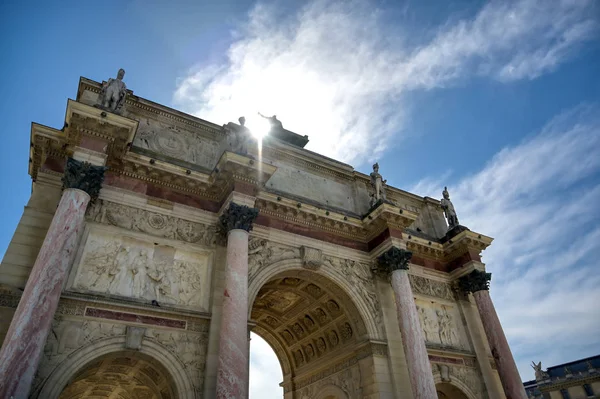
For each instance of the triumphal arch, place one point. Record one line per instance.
(155, 241)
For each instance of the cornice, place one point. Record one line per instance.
(45, 142)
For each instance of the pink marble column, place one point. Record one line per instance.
(477, 282)
(417, 359)
(26, 336)
(232, 375)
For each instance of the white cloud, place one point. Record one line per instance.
(540, 200)
(265, 371)
(337, 72)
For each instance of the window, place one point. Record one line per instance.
(565, 394)
(588, 390)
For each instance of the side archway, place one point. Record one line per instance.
(67, 370)
(331, 392)
(454, 389)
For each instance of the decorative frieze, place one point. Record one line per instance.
(83, 176)
(425, 286)
(475, 281)
(152, 223)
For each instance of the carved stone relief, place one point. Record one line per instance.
(262, 253)
(425, 286)
(348, 380)
(151, 223)
(170, 140)
(359, 276)
(137, 269)
(440, 324)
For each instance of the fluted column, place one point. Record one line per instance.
(26, 336)
(477, 282)
(232, 375)
(395, 263)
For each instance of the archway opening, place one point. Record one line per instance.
(449, 391)
(311, 324)
(265, 370)
(122, 375)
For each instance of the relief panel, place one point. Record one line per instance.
(137, 269)
(174, 142)
(442, 325)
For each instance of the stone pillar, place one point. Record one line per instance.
(232, 375)
(477, 282)
(395, 262)
(26, 337)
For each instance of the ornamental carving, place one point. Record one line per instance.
(393, 259)
(360, 277)
(237, 217)
(345, 375)
(425, 286)
(262, 253)
(439, 326)
(83, 176)
(152, 223)
(312, 258)
(475, 281)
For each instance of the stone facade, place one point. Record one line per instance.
(192, 243)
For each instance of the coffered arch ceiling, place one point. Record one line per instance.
(122, 375)
(307, 319)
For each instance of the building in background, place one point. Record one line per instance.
(154, 241)
(579, 379)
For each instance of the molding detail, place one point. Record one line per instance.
(393, 259)
(425, 286)
(237, 217)
(475, 281)
(83, 176)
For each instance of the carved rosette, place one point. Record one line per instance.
(237, 217)
(83, 176)
(475, 281)
(394, 259)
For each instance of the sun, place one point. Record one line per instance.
(259, 127)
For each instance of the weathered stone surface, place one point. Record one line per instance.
(233, 345)
(24, 342)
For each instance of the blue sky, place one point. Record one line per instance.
(497, 100)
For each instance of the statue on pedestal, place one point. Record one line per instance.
(112, 95)
(449, 211)
(238, 137)
(378, 185)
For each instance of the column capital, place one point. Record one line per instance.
(475, 281)
(393, 259)
(83, 176)
(237, 217)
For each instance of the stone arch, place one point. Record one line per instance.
(331, 392)
(68, 368)
(358, 302)
(454, 383)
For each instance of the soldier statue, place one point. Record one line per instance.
(378, 185)
(449, 211)
(112, 95)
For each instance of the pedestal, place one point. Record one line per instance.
(32, 321)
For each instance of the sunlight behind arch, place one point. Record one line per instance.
(265, 370)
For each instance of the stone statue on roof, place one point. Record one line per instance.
(540, 374)
(449, 211)
(378, 185)
(275, 123)
(112, 94)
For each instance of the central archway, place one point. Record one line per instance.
(312, 325)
